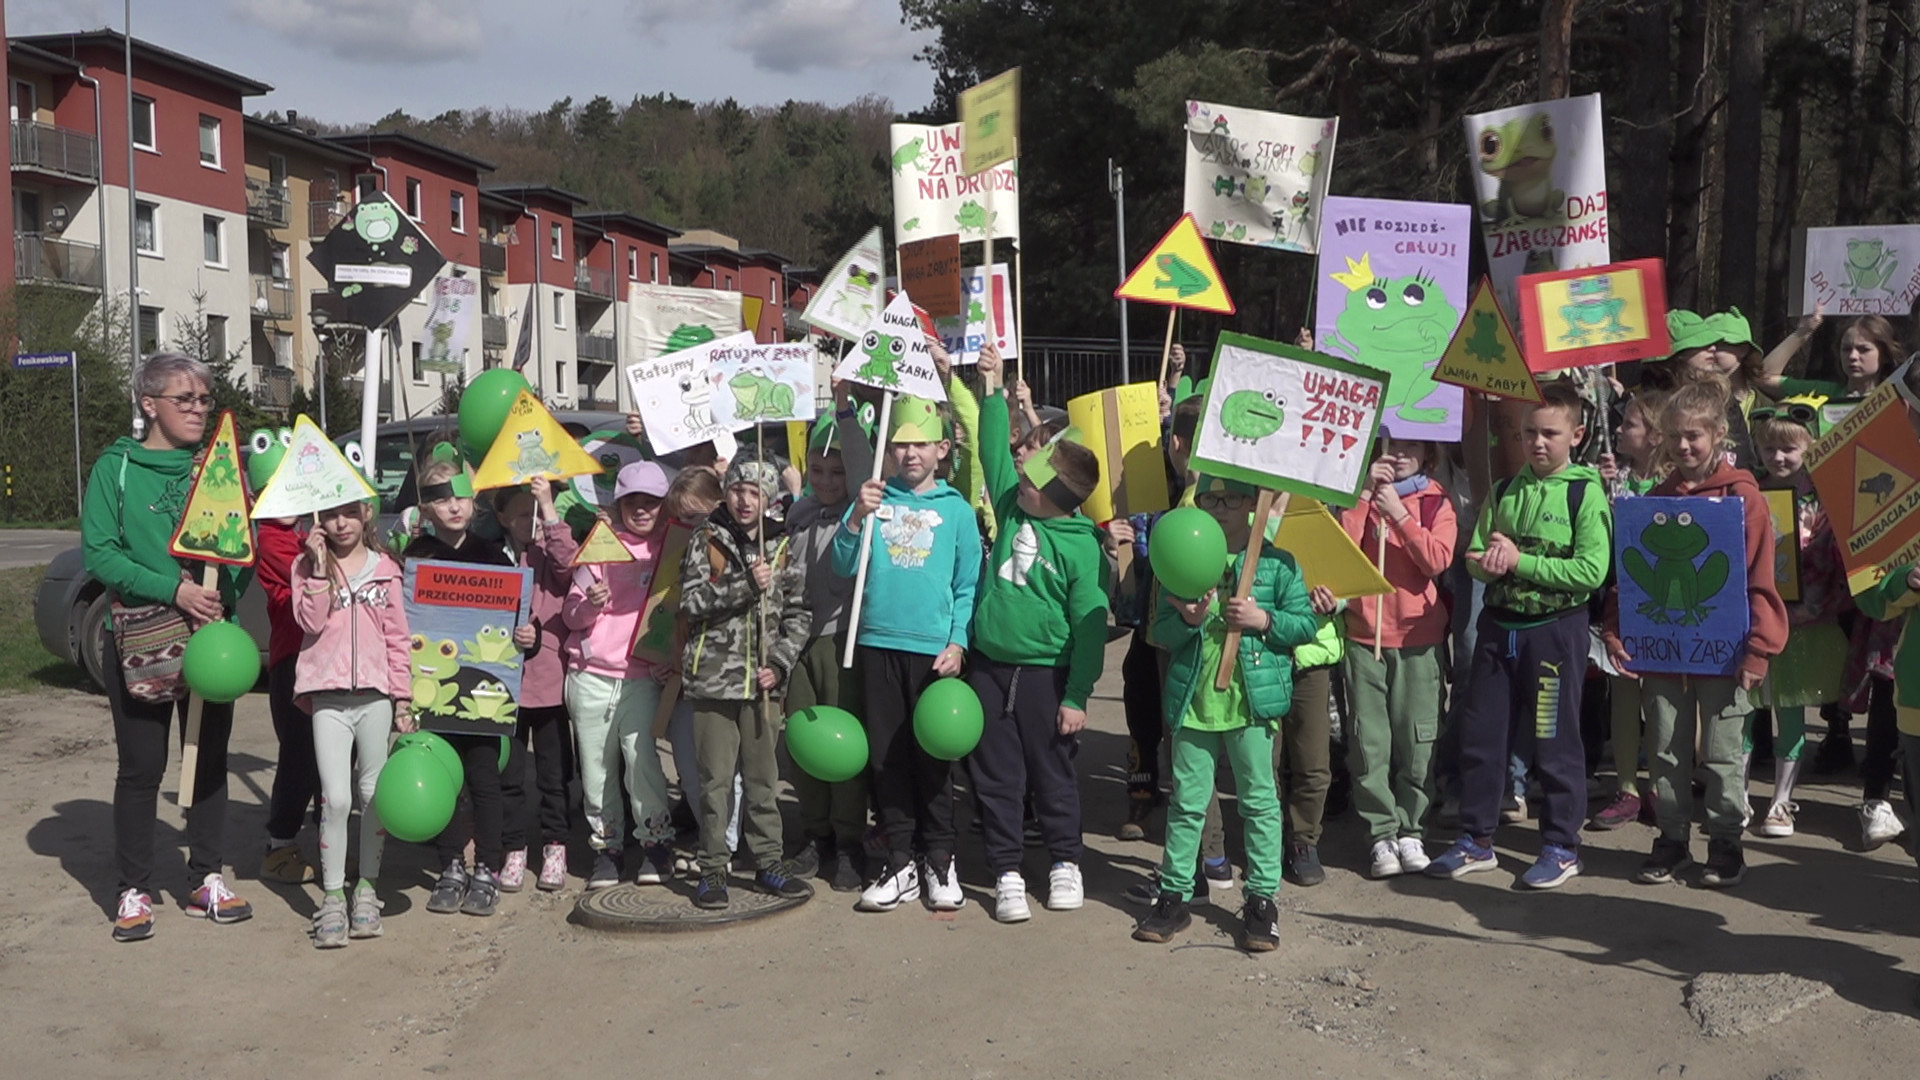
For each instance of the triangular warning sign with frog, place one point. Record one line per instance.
(1484, 355)
(601, 546)
(531, 443)
(313, 476)
(215, 527)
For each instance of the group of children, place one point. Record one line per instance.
(998, 579)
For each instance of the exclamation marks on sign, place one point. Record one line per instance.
(1326, 439)
(1346, 444)
(1306, 432)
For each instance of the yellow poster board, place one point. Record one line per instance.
(1122, 428)
(1179, 272)
(1786, 542)
(1326, 554)
(750, 307)
(1484, 355)
(214, 527)
(990, 122)
(797, 445)
(531, 443)
(601, 546)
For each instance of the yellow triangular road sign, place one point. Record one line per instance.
(531, 443)
(601, 546)
(1179, 272)
(1877, 485)
(1484, 355)
(215, 525)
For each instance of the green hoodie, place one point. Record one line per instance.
(1563, 562)
(133, 503)
(1043, 599)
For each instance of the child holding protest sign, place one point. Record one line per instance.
(1869, 351)
(354, 675)
(1694, 429)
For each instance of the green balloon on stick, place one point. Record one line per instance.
(414, 796)
(221, 662)
(442, 751)
(484, 406)
(827, 743)
(1188, 552)
(948, 719)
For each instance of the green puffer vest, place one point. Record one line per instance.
(1265, 664)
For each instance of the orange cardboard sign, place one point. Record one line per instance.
(1867, 470)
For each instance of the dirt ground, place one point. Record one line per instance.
(1448, 979)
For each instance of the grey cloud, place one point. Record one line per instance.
(372, 31)
(791, 36)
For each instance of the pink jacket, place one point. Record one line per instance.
(602, 641)
(1413, 614)
(543, 680)
(353, 642)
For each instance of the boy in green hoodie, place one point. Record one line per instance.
(1039, 644)
(1542, 546)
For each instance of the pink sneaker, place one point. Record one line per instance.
(513, 875)
(1623, 809)
(214, 902)
(553, 867)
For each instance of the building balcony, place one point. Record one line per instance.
(595, 348)
(45, 260)
(324, 214)
(268, 204)
(493, 331)
(272, 387)
(271, 299)
(57, 152)
(493, 256)
(593, 282)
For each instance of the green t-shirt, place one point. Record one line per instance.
(1210, 709)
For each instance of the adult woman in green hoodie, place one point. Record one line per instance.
(133, 504)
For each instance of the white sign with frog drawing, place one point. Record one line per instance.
(1856, 270)
(674, 395)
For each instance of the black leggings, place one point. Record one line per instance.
(1146, 727)
(1883, 740)
(487, 790)
(140, 733)
(296, 776)
(550, 732)
(912, 789)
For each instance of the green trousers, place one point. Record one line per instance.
(1674, 706)
(730, 735)
(1396, 716)
(1623, 697)
(827, 810)
(1196, 760)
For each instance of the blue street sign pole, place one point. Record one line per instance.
(52, 360)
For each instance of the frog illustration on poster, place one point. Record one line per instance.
(1540, 176)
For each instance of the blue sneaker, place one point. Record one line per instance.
(1554, 866)
(1463, 858)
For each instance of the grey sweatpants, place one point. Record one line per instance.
(345, 721)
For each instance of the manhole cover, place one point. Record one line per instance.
(669, 908)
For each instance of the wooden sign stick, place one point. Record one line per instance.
(1380, 602)
(196, 705)
(766, 696)
(867, 528)
(1166, 350)
(1116, 464)
(1263, 511)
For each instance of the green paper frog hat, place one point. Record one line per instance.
(915, 420)
(266, 448)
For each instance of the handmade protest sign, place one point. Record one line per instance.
(930, 273)
(668, 318)
(933, 196)
(531, 443)
(1326, 553)
(1599, 315)
(455, 307)
(376, 260)
(1786, 542)
(674, 395)
(988, 317)
(1867, 470)
(1856, 270)
(466, 669)
(1484, 355)
(653, 639)
(313, 476)
(1683, 583)
(761, 384)
(892, 355)
(1541, 177)
(214, 527)
(1288, 419)
(990, 122)
(851, 294)
(1257, 177)
(1121, 426)
(1393, 275)
(600, 547)
(1179, 272)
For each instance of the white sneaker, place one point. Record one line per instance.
(1010, 898)
(1065, 890)
(894, 886)
(1413, 854)
(1878, 823)
(943, 889)
(1779, 820)
(1386, 861)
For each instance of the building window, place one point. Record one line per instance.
(653, 266)
(213, 239)
(149, 329)
(633, 264)
(729, 284)
(143, 123)
(457, 205)
(557, 239)
(419, 370)
(559, 310)
(282, 349)
(277, 170)
(413, 199)
(216, 337)
(773, 294)
(210, 142)
(146, 227)
(277, 258)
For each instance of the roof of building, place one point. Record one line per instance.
(765, 255)
(306, 140)
(19, 51)
(367, 141)
(607, 220)
(522, 193)
(703, 253)
(68, 46)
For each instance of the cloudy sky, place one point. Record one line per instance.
(356, 60)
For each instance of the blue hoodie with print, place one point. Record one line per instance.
(923, 573)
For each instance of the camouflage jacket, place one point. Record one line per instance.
(725, 625)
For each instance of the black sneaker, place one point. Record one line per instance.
(1261, 920)
(1303, 865)
(1835, 754)
(1170, 915)
(483, 893)
(812, 857)
(1726, 865)
(846, 874)
(1669, 858)
(450, 891)
(711, 893)
(779, 880)
(606, 870)
(1144, 892)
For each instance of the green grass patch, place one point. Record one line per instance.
(24, 663)
(71, 524)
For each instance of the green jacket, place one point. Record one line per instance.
(133, 503)
(967, 479)
(1043, 598)
(1564, 530)
(1329, 644)
(1265, 661)
(1887, 601)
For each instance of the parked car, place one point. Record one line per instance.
(70, 608)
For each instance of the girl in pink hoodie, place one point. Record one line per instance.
(353, 675)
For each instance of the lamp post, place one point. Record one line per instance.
(319, 319)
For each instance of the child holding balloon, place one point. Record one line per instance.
(354, 675)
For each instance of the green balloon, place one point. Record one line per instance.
(484, 405)
(414, 796)
(947, 720)
(827, 743)
(1188, 552)
(221, 662)
(506, 751)
(442, 751)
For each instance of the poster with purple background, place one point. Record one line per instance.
(1392, 287)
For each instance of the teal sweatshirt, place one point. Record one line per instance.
(133, 503)
(923, 573)
(1563, 561)
(1044, 602)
